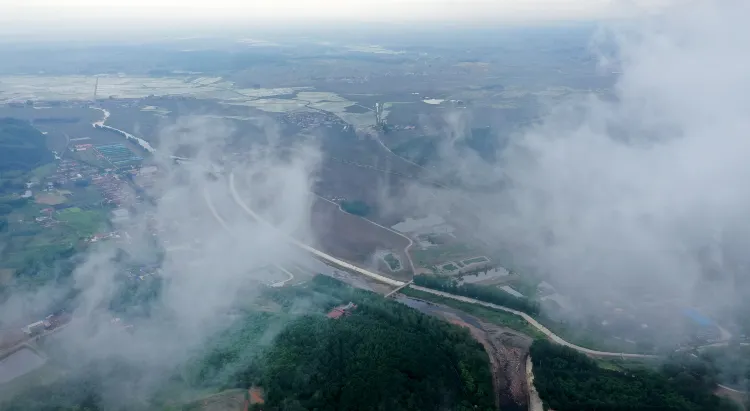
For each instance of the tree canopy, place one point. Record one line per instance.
(384, 356)
(569, 381)
(22, 147)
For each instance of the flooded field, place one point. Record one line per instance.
(19, 363)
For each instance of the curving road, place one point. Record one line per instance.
(224, 225)
(529, 319)
(345, 265)
(332, 260)
(406, 249)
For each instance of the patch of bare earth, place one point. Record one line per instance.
(354, 239)
(738, 397)
(49, 199)
(507, 351)
(233, 400)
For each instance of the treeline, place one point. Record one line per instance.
(569, 381)
(385, 356)
(22, 147)
(486, 294)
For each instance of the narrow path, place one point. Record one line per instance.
(724, 387)
(535, 403)
(738, 397)
(406, 249)
(377, 137)
(285, 271)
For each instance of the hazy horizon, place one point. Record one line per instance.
(42, 19)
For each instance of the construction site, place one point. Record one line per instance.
(507, 349)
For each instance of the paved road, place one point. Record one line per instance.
(330, 259)
(224, 225)
(345, 265)
(552, 336)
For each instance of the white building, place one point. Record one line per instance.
(34, 328)
(120, 215)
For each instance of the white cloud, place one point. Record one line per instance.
(646, 189)
(254, 11)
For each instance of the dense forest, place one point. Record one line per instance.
(569, 381)
(487, 294)
(384, 356)
(22, 147)
(732, 363)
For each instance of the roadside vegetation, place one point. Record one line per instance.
(486, 294)
(496, 317)
(569, 381)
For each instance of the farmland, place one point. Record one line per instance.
(69, 88)
(354, 239)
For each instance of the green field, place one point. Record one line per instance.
(44, 171)
(85, 223)
(35, 252)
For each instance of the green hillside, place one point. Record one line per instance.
(22, 147)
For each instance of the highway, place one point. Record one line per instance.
(400, 284)
(383, 279)
(225, 226)
(529, 319)
(319, 254)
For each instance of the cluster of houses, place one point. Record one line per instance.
(50, 322)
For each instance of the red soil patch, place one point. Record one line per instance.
(256, 395)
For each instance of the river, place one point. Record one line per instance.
(141, 142)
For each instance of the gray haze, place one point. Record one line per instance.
(212, 270)
(644, 192)
(646, 189)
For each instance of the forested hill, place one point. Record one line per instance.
(569, 381)
(383, 356)
(22, 147)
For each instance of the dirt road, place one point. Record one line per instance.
(535, 403)
(507, 351)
